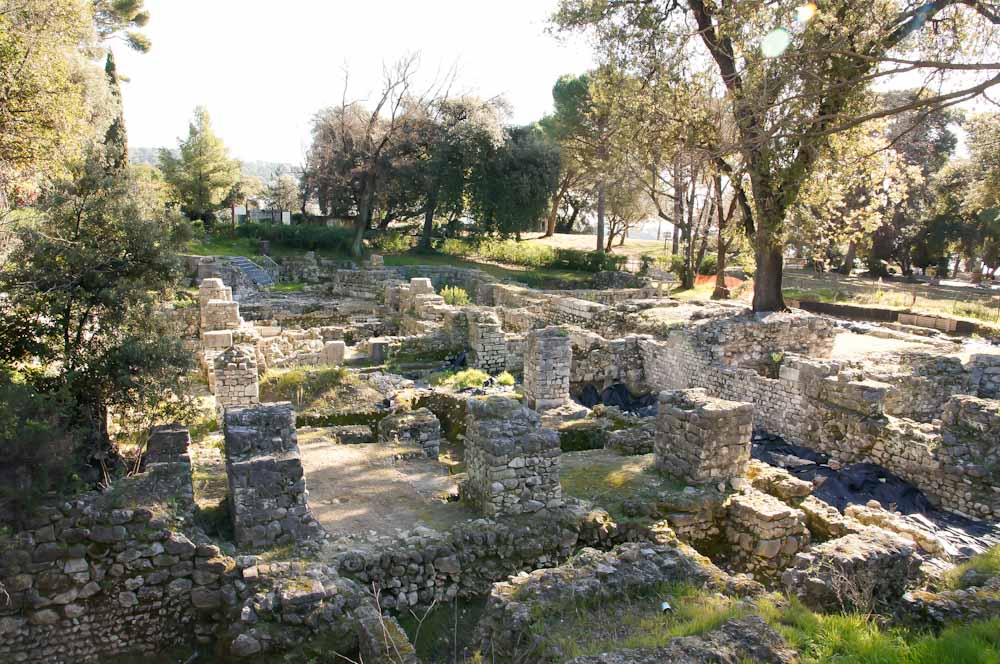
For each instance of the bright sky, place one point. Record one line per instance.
(263, 68)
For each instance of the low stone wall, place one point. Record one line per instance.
(419, 429)
(513, 464)
(864, 571)
(110, 574)
(764, 533)
(510, 631)
(430, 567)
(984, 375)
(236, 383)
(267, 486)
(834, 408)
(701, 439)
(601, 362)
(487, 343)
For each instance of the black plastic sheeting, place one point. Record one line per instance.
(856, 484)
(618, 395)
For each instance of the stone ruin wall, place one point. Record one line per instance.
(90, 579)
(831, 407)
(267, 486)
(601, 362)
(236, 383)
(512, 462)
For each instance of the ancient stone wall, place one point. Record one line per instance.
(764, 532)
(701, 439)
(418, 428)
(922, 382)
(465, 561)
(487, 343)
(267, 487)
(984, 375)
(548, 357)
(513, 464)
(834, 408)
(236, 382)
(601, 362)
(109, 574)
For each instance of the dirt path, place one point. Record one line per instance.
(364, 491)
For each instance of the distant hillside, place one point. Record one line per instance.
(265, 170)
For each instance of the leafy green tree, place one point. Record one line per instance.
(81, 295)
(202, 175)
(511, 189)
(793, 76)
(283, 193)
(566, 127)
(42, 103)
(448, 142)
(116, 137)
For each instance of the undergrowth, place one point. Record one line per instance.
(303, 386)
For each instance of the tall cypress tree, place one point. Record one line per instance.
(116, 137)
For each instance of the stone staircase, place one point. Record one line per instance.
(258, 275)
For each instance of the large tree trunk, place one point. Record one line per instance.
(848, 264)
(600, 216)
(428, 230)
(361, 225)
(550, 224)
(767, 280)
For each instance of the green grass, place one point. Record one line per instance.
(460, 380)
(506, 379)
(860, 639)
(455, 296)
(288, 287)
(535, 277)
(303, 386)
(985, 564)
(220, 245)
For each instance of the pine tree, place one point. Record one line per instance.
(203, 173)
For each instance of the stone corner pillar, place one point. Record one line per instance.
(512, 462)
(548, 356)
(701, 439)
(236, 381)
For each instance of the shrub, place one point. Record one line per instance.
(455, 296)
(302, 385)
(393, 242)
(303, 236)
(506, 379)
(533, 254)
(463, 379)
(709, 264)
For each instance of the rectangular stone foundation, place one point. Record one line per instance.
(267, 487)
(701, 439)
(513, 464)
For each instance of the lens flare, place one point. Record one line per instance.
(775, 43)
(806, 12)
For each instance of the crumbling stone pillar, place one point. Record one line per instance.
(513, 463)
(487, 342)
(701, 439)
(267, 487)
(236, 382)
(548, 355)
(168, 443)
(216, 307)
(333, 353)
(764, 532)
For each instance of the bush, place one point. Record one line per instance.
(533, 254)
(455, 296)
(709, 264)
(306, 237)
(461, 380)
(506, 379)
(393, 243)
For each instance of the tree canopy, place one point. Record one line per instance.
(790, 77)
(202, 175)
